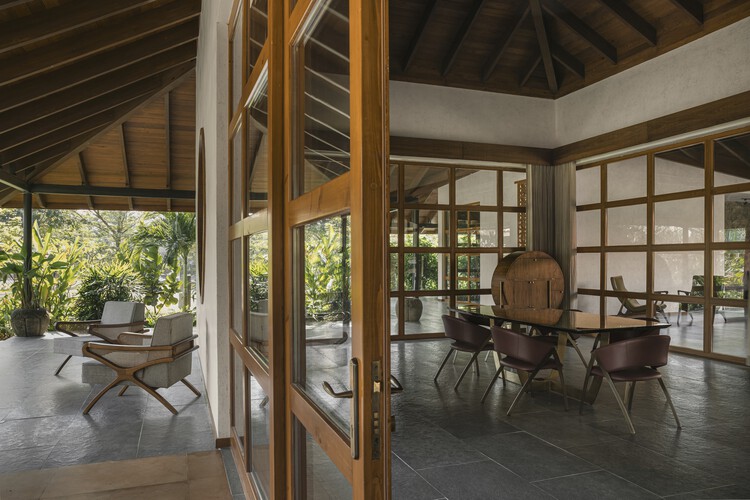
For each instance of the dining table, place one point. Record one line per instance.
(567, 323)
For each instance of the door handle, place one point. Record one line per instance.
(338, 395)
(352, 394)
(396, 385)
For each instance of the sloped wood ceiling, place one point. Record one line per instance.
(97, 103)
(542, 48)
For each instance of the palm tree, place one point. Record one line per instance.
(175, 234)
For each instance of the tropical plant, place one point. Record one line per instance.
(113, 281)
(159, 282)
(325, 265)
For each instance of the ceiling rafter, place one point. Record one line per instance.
(530, 70)
(40, 200)
(462, 35)
(544, 46)
(129, 193)
(61, 19)
(419, 35)
(587, 34)
(632, 19)
(691, 7)
(84, 177)
(13, 181)
(109, 35)
(568, 61)
(6, 4)
(97, 66)
(168, 145)
(739, 151)
(125, 162)
(494, 59)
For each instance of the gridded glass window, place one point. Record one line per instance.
(626, 225)
(589, 228)
(476, 187)
(679, 221)
(588, 186)
(237, 172)
(626, 179)
(426, 228)
(732, 217)
(260, 432)
(677, 272)
(588, 266)
(731, 160)
(426, 271)
(238, 399)
(424, 314)
(476, 229)
(236, 279)
(238, 79)
(257, 148)
(427, 185)
(679, 170)
(514, 189)
(257, 293)
(257, 30)
(631, 266)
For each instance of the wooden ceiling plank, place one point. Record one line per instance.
(97, 66)
(81, 112)
(168, 144)
(110, 35)
(544, 46)
(530, 70)
(463, 34)
(492, 62)
(84, 177)
(632, 19)
(13, 181)
(571, 63)
(587, 34)
(61, 19)
(6, 4)
(693, 8)
(421, 30)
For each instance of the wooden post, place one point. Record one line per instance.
(28, 223)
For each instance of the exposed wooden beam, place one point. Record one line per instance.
(107, 36)
(541, 36)
(501, 47)
(571, 63)
(462, 35)
(13, 181)
(632, 19)
(6, 4)
(419, 35)
(168, 145)
(40, 200)
(691, 7)
(16, 135)
(84, 177)
(583, 30)
(125, 164)
(58, 80)
(739, 151)
(176, 194)
(58, 20)
(530, 70)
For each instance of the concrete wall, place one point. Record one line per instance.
(211, 115)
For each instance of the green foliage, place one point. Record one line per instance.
(421, 271)
(114, 281)
(257, 267)
(325, 265)
(159, 282)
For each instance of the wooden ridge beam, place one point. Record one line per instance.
(463, 34)
(176, 194)
(632, 19)
(501, 47)
(583, 30)
(419, 35)
(61, 19)
(74, 74)
(107, 36)
(84, 177)
(82, 111)
(571, 63)
(13, 181)
(544, 46)
(693, 8)
(125, 165)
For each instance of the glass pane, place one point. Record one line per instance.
(626, 179)
(394, 185)
(474, 299)
(730, 331)
(260, 430)
(257, 149)
(588, 186)
(732, 217)
(731, 160)
(393, 227)
(589, 228)
(679, 170)
(730, 267)
(257, 293)
(588, 303)
(587, 270)
(514, 230)
(424, 314)
(238, 389)
(317, 478)
(238, 79)
(426, 185)
(236, 279)
(626, 225)
(321, 87)
(686, 321)
(237, 173)
(679, 221)
(474, 270)
(514, 189)
(258, 30)
(631, 266)
(426, 271)
(322, 322)
(676, 272)
(394, 315)
(426, 228)
(476, 187)
(476, 229)
(393, 272)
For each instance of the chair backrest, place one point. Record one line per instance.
(465, 332)
(651, 350)
(169, 330)
(698, 288)
(473, 318)
(520, 346)
(117, 313)
(618, 285)
(620, 335)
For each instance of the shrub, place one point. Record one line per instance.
(115, 281)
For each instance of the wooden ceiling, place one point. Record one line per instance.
(97, 103)
(542, 48)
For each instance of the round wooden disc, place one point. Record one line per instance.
(528, 279)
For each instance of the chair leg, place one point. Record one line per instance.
(155, 394)
(450, 351)
(191, 387)
(564, 391)
(487, 356)
(619, 402)
(586, 379)
(122, 391)
(502, 373)
(629, 393)
(63, 364)
(476, 364)
(669, 400)
(578, 351)
(524, 387)
(466, 369)
(492, 382)
(455, 356)
(99, 396)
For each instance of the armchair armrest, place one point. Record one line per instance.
(127, 356)
(133, 338)
(109, 332)
(75, 328)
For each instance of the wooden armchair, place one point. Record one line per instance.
(117, 317)
(150, 362)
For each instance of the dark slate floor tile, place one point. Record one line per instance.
(32, 432)
(87, 451)
(23, 459)
(480, 481)
(421, 444)
(407, 484)
(598, 485)
(723, 492)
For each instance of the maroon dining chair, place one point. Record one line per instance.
(524, 354)
(467, 337)
(550, 336)
(631, 361)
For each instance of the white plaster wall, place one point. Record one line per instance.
(211, 115)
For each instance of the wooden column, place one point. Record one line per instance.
(28, 223)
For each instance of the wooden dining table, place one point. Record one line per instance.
(567, 323)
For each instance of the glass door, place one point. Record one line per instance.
(335, 249)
